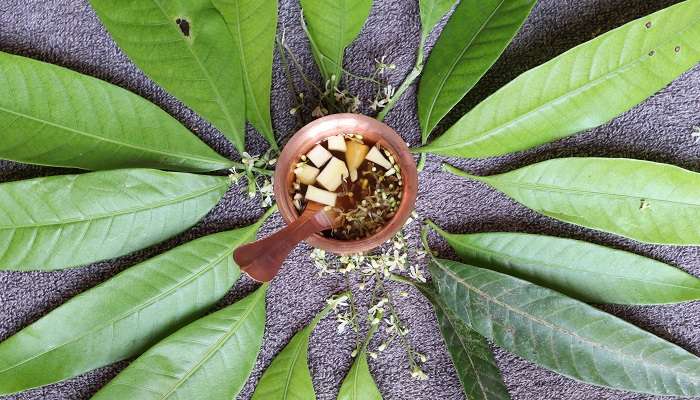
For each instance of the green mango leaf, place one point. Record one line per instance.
(431, 11)
(209, 359)
(475, 36)
(563, 334)
(641, 200)
(469, 351)
(125, 315)
(359, 384)
(253, 24)
(331, 26)
(186, 47)
(53, 116)
(70, 220)
(582, 88)
(288, 376)
(582, 270)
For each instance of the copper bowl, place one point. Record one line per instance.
(373, 131)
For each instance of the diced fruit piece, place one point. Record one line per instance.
(376, 157)
(332, 175)
(354, 155)
(337, 143)
(319, 155)
(321, 196)
(306, 174)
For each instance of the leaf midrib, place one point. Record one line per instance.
(133, 210)
(449, 73)
(494, 131)
(125, 314)
(559, 189)
(290, 370)
(111, 141)
(216, 347)
(219, 99)
(557, 328)
(244, 69)
(477, 375)
(555, 266)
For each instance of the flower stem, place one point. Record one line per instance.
(261, 171)
(412, 76)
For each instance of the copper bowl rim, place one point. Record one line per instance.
(335, 124)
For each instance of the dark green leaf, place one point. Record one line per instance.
(209, 359)
(470, 353)
(185, 47)
(642, 200)
(563, 334)
(253, 24)
(582, 88)
(431, 11)
(331, 26)
(473, 39)
(123, 316)
(66, 221)
(288, 376)
(578, 269)
(53, 116)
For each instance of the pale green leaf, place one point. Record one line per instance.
(475, 36)
(431, 11)
(288, 376)
(582, 88)
(253, 24)
(52, 116)
(359, 383)
(331, 26)
(209, 359)
(469, 351)
(565, 335)
(582, 270)
(185, 47)
(641, 200)
(123, 316)
(69, 220)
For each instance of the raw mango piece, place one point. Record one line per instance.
(375, 155)
(306, 174)
(332, 176)
(320, 196)
(319, 155)
(337, 143)
(354, 155)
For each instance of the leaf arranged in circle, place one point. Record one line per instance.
(209, 359)
(69, 220)
(641, 200)
(585, 87)
(288, 376)
(582, 270)
(186, 47)
(53, 116)
(125, 315)
(564, 335)
(475, 36)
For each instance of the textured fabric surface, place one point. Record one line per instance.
(67, 32)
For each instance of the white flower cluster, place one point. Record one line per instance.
(395, 257)
(255, 169)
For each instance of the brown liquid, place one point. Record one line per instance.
(366, 205)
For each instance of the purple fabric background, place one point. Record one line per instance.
(67, 32)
